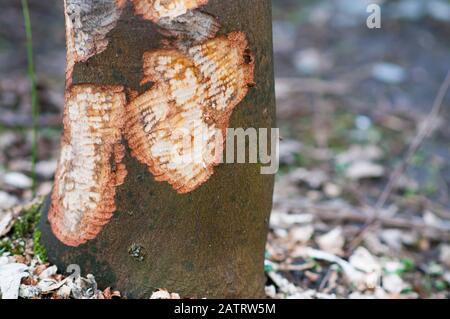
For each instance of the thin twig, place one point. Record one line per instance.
(328, 212)
(326, 279)
(424, 132)
(290, 267)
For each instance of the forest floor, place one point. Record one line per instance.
(350, 102)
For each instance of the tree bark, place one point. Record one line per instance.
(207, 243)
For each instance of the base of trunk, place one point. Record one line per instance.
(205, 244)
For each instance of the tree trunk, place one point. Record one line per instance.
(209, 242)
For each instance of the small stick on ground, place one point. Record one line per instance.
(424, 132)
(349, 214)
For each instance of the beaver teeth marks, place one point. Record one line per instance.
(163, 122)
(177, 127)
(90, 165)
(154, 10)
(227, 72)
(88, 23)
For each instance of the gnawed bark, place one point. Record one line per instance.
(177, 128)
(87, 24)
(90, 167)
(155, 10)
(193, 27)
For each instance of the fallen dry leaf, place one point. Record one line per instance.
(332, 242)
(10, 278)
(164, 294)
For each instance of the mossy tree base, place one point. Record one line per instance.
(209, 243)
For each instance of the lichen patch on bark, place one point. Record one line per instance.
(87, 24)
(155, 10)
(89, 167)
(177, 127)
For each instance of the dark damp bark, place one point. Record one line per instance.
(209, 243)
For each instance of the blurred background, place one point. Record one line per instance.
(351, 100)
